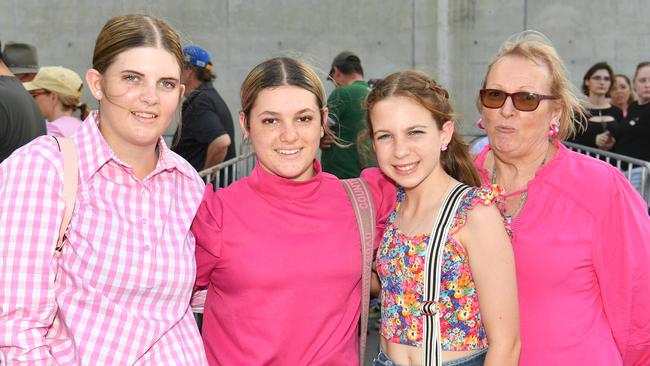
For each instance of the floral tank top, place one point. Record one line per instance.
(400, 265)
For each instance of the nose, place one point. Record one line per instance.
(149, 93)
(508, 107)
(289, 133)
(401, 148)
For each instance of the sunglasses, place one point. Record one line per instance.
(523, 101)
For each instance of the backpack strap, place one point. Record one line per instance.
(70, 183)
(364, 211)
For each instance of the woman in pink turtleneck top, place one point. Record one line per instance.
(580, 233)
(279, 250)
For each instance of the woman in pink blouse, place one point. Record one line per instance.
(580, 232)
(279, 250)
(119, 292)
(445, 261)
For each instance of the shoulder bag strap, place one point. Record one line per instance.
(70, 182)
(364, 210)
(431, 319)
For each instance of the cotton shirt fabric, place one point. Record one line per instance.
(63, 126)
(282, 262)
(122, 290)
(582, 253)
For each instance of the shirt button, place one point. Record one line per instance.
(144, 221)
(143, 192)
(147, 247)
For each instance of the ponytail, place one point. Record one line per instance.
(458, 163)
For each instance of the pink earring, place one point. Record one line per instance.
(479, 123)
(444, 147)
(554, 130)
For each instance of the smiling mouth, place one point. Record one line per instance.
(145, 115)
(288, 152)
(406, 168)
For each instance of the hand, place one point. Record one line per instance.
(605, 141)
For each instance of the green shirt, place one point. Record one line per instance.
(346, 110)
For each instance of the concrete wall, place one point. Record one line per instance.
(454, 40)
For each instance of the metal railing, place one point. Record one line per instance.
(635, 170)
(221, 175)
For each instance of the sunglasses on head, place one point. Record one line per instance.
(523, 101)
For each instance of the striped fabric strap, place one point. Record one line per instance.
(431, 324)
(70, 181)
(364, 210)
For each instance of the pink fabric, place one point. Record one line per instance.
(282, 262)
(582, 251)
(122, 291)
(63, 127)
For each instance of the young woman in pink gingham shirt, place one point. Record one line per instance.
(119, 293)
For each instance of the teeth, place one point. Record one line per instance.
(288, 152)
(144, 114)
(406, 167)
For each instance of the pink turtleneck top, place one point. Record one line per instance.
(282, 262)
(582, 252)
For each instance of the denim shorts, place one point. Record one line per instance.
(476, 359)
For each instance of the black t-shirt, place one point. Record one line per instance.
(588, 136)
(633, 134)
(205, 117)
(21, 120)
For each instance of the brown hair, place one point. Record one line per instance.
(639, 67)
(592, 70)
(536, 47)
(631, 98)
(281, 71)
(422, 89)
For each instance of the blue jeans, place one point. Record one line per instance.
(476, 359)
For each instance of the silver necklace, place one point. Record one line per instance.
(522, 198)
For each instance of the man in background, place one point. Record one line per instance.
(346, 117)
(20, 119)
(22, 60)
(206, 130)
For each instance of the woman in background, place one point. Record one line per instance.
(622, 95)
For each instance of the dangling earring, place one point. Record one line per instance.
(554, 130)
(444, 147)
(322, 131)
(479, 123)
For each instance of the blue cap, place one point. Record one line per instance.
(197, 56)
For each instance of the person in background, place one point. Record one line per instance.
(622, 95)
(599, 128)
(207, 133)
(580, 232)
(22, 60)
(57, 91)
(633, 136)
(285, 237)
(410, 119)
(346, 116)
(118, 293)
(21, 120)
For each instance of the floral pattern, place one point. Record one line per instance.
(400, 265)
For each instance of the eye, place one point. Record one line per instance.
(131, 78)
(168, 84)
(269, 121)
(305, 119)
(529, 97)
(494, 93)
(382, 136)
(415, 132)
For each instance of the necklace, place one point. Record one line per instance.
(523, 192)
(399, 221)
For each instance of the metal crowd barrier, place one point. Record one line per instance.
(221, 175)
(635, 170)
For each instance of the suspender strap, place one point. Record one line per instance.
(70, 181)
(364, 210)
(439, 233)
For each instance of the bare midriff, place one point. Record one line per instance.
(412, 356)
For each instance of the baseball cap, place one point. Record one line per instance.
(197, 56)
(343, 58)
(20, 58)
(57, 79)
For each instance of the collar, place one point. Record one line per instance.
(272, 185)
(94, 152)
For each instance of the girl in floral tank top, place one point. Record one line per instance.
(447, 279)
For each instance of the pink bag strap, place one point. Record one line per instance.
(364, 210)
(70, 182)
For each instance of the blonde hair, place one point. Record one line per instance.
(282, 71)
(423, 90)
(535, 47)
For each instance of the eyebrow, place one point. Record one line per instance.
(141, 74)
(409, 128)
(275, 114)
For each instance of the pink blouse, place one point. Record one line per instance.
(582, 252)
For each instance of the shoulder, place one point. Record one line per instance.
(186, 169)
(382, 188)
(38, 162)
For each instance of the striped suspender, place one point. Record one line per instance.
(435, 247)
(364, 211)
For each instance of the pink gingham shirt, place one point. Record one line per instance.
(121, 295)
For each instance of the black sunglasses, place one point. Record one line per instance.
(523, 101)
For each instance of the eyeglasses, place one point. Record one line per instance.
(35, 94)
(600, 78)
(523, 101)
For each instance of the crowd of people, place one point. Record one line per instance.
(526, 253)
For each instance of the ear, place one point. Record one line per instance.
(557, 111)
(325, 112)
(242, 124)
(446, 132)
(180, 97)
(94, 81)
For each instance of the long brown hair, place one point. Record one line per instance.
(422, 89)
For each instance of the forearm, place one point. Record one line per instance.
(503, 353)
(217, 151)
